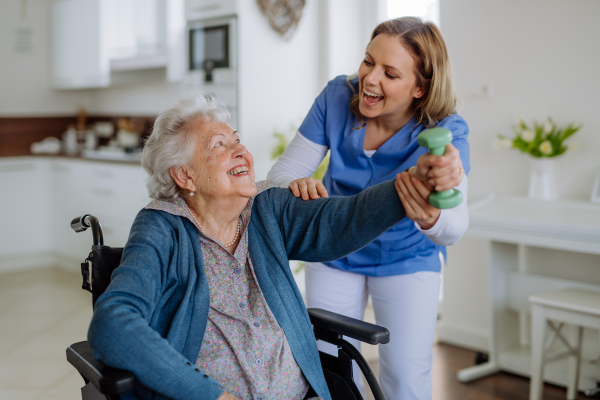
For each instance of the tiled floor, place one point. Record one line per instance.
(41, 313)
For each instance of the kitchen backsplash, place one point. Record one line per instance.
(17, 134)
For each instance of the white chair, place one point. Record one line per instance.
(577, 307)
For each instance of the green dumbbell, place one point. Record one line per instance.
(436, 139)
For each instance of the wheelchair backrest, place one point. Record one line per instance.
(104, 261)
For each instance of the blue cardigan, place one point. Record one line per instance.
(152, 317)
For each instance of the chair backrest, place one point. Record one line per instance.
(104, 261)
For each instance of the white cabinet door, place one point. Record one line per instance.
(80, 56)
(176, 40)
(24, 208)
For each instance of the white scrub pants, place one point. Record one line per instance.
(404, 304)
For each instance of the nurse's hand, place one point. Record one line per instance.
(440, 172)
(414, 196)
(308, 188)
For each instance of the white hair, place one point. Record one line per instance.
(170, 145)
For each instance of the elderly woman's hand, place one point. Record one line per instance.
(227, 396)
(308, 188)
(414, 196)
(439, 172)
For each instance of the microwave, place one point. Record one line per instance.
(212, 50)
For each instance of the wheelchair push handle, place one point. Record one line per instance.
(80, 224)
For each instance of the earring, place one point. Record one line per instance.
(191, 194)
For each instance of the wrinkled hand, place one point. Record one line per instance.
(308, 188)
(414, 196)
(227, 396)
(439, 172)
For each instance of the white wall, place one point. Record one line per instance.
(279, 79)
(25, 76)
(540, 58)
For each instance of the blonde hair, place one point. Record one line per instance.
(432, 69)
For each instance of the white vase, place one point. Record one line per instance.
(542, 184)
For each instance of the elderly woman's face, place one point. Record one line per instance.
(224, 167)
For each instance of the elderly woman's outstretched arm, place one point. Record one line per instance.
(329, 228)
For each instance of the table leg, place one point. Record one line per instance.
(538, 341)
(477, 371)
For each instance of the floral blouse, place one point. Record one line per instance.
(244, 347)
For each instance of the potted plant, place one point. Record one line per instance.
(543, 141)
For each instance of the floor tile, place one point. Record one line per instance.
(73, 380)
(33, 371)
(61, 393)
(20, 393)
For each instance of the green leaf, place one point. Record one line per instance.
(280, 146)
(568, 133)
(300, 267)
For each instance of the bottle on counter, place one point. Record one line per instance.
(69, 141)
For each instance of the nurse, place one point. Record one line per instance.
(370, 123)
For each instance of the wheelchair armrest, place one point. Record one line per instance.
(327, 322)
(109, 381)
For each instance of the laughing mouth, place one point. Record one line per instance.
(238, 171)
(374, 96)
(371, 98)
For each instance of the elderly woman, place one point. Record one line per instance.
(203, 304)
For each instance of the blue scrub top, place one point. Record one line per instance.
(330, 122)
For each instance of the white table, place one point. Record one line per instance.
(514, 225)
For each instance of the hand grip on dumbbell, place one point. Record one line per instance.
(436, 139)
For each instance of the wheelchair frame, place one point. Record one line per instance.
(103, 382)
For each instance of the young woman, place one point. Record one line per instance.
(370, 123)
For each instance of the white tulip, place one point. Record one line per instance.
(528, 135)
(546, 147)
(548, 127)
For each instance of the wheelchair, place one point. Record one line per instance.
(106, 383)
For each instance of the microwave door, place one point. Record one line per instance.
(209, 49)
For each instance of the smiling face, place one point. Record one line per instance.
(387, 82)
(221, 165)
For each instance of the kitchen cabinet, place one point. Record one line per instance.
(80, 57)
(24, 213)
(93, 39)
(47, 193)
